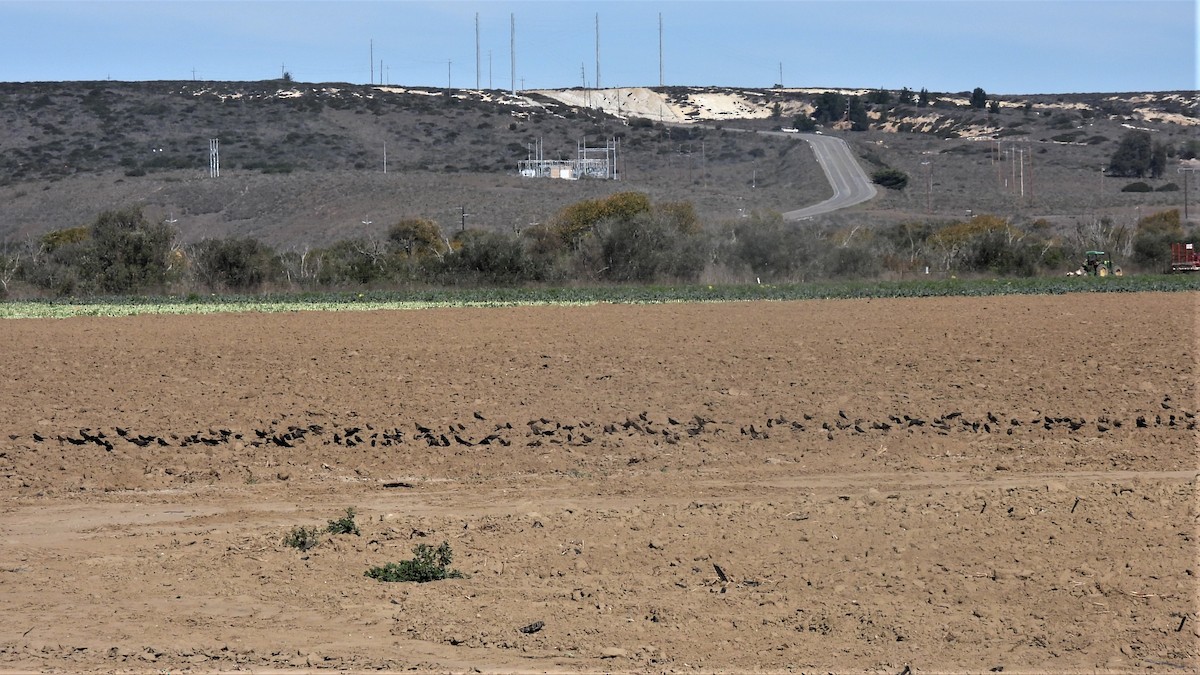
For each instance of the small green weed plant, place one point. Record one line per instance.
(345, 524)
(428, 564)
(305, 538)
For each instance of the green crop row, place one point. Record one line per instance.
(568, 296)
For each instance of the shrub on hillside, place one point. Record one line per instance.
(892, 179)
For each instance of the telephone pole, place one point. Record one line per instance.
(1186, 172)
(660, 51)
(476, 51)
(597, 50)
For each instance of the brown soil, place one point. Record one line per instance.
(942, 484)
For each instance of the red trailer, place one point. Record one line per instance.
(1184, 258)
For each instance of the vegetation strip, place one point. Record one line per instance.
(633, 295)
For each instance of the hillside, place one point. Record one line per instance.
(303, 164)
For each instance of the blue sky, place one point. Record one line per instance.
(1004, 46)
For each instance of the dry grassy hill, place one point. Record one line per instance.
(303, 164)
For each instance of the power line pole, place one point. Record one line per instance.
(372, 59)
(1031, 176)
(1186, 172)
(1021, 161)
(660, 50)
(512, 48)
(928, 185)
(597, 50)
(477, 51)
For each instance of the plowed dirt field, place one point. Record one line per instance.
(937, 485)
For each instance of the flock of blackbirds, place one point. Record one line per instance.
(543, 431)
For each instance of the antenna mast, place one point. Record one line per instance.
(477, 51)
(512, 48)
(597, 50)
(660, 51)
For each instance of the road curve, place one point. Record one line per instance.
(848, 180)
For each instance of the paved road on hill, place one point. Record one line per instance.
(850, 183)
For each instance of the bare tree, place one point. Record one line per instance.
(12, 254)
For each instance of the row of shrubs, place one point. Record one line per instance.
(623, 238)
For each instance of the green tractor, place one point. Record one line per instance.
(1098, 264)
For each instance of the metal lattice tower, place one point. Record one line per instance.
(214, 158)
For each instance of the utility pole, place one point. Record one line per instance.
(597, 50)
(1021, 160)
(781, 74)
(463, 211)
(512, 48)
(1031, 176)
(385, 156)
(476, 51)
(372, 60)
(1186, 171)
(448, 62)
(660, 51)
(928, 185)
(1012, 165)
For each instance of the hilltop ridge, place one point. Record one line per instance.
(304, 163)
